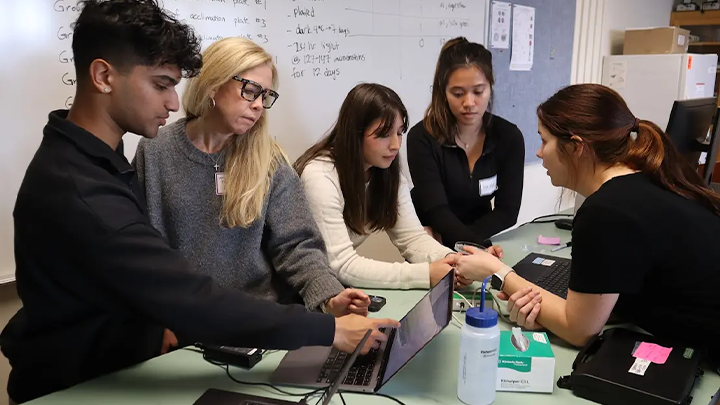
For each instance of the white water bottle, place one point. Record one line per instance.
(479, 346)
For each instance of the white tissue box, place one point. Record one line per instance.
(532, 370)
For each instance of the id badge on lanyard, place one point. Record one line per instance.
(219, 183)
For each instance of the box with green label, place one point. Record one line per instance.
(528, 366)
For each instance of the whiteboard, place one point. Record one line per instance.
(322, 49)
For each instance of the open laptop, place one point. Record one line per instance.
(314, 366)
(551, 273)
(220, 397)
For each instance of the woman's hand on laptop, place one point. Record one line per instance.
(479, 264)
(349, 301)
(350, 329)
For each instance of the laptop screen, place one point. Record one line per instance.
(420, 325)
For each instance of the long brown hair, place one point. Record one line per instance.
(610, 132)
(457, 53)
(364, 104)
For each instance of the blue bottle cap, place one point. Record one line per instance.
(481, 318)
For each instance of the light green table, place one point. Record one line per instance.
(180, 377)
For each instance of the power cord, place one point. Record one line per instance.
(458, 320)
(495, 299)
(545, 219)
(497, 303)
(377, 394)
(470, 305)
(306, 395)
(261, 384)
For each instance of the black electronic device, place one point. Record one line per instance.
(235, 356)
(609, 370)
(564, 223)
(711, 148)
(376, 302)
(551, 273)
(689, 125)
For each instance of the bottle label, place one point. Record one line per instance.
(489, 353)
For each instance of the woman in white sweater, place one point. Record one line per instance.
(353, 182)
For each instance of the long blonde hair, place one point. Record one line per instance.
(253, 157)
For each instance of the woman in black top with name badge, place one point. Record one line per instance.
(461, 156)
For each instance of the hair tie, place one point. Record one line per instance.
(635, 129)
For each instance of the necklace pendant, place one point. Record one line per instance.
(217, 166)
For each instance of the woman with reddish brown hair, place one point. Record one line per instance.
(645, 239)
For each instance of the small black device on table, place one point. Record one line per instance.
(564, 223)
(235, 356)
(376, 302)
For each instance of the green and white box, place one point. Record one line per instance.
(532, 370)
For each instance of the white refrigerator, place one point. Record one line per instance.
(651, 83)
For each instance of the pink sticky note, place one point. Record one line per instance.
(543, 240)
(652, 352)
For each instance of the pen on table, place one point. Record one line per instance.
(563, 246)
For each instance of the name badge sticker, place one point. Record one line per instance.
(488, 186)
(219, 183)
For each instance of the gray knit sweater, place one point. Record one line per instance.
(281, 256)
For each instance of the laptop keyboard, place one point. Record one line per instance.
(360, 372)
(557, 280)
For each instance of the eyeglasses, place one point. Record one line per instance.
(252, 90)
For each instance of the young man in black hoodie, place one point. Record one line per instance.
(97, 282)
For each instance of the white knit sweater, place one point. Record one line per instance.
(323, 191)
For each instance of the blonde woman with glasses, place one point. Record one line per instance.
(222, 191)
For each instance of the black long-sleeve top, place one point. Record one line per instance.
(98, 283)
(457, 203)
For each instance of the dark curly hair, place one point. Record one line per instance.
(129, 33)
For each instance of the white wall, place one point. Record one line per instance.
(540, 197)
(622, 14)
